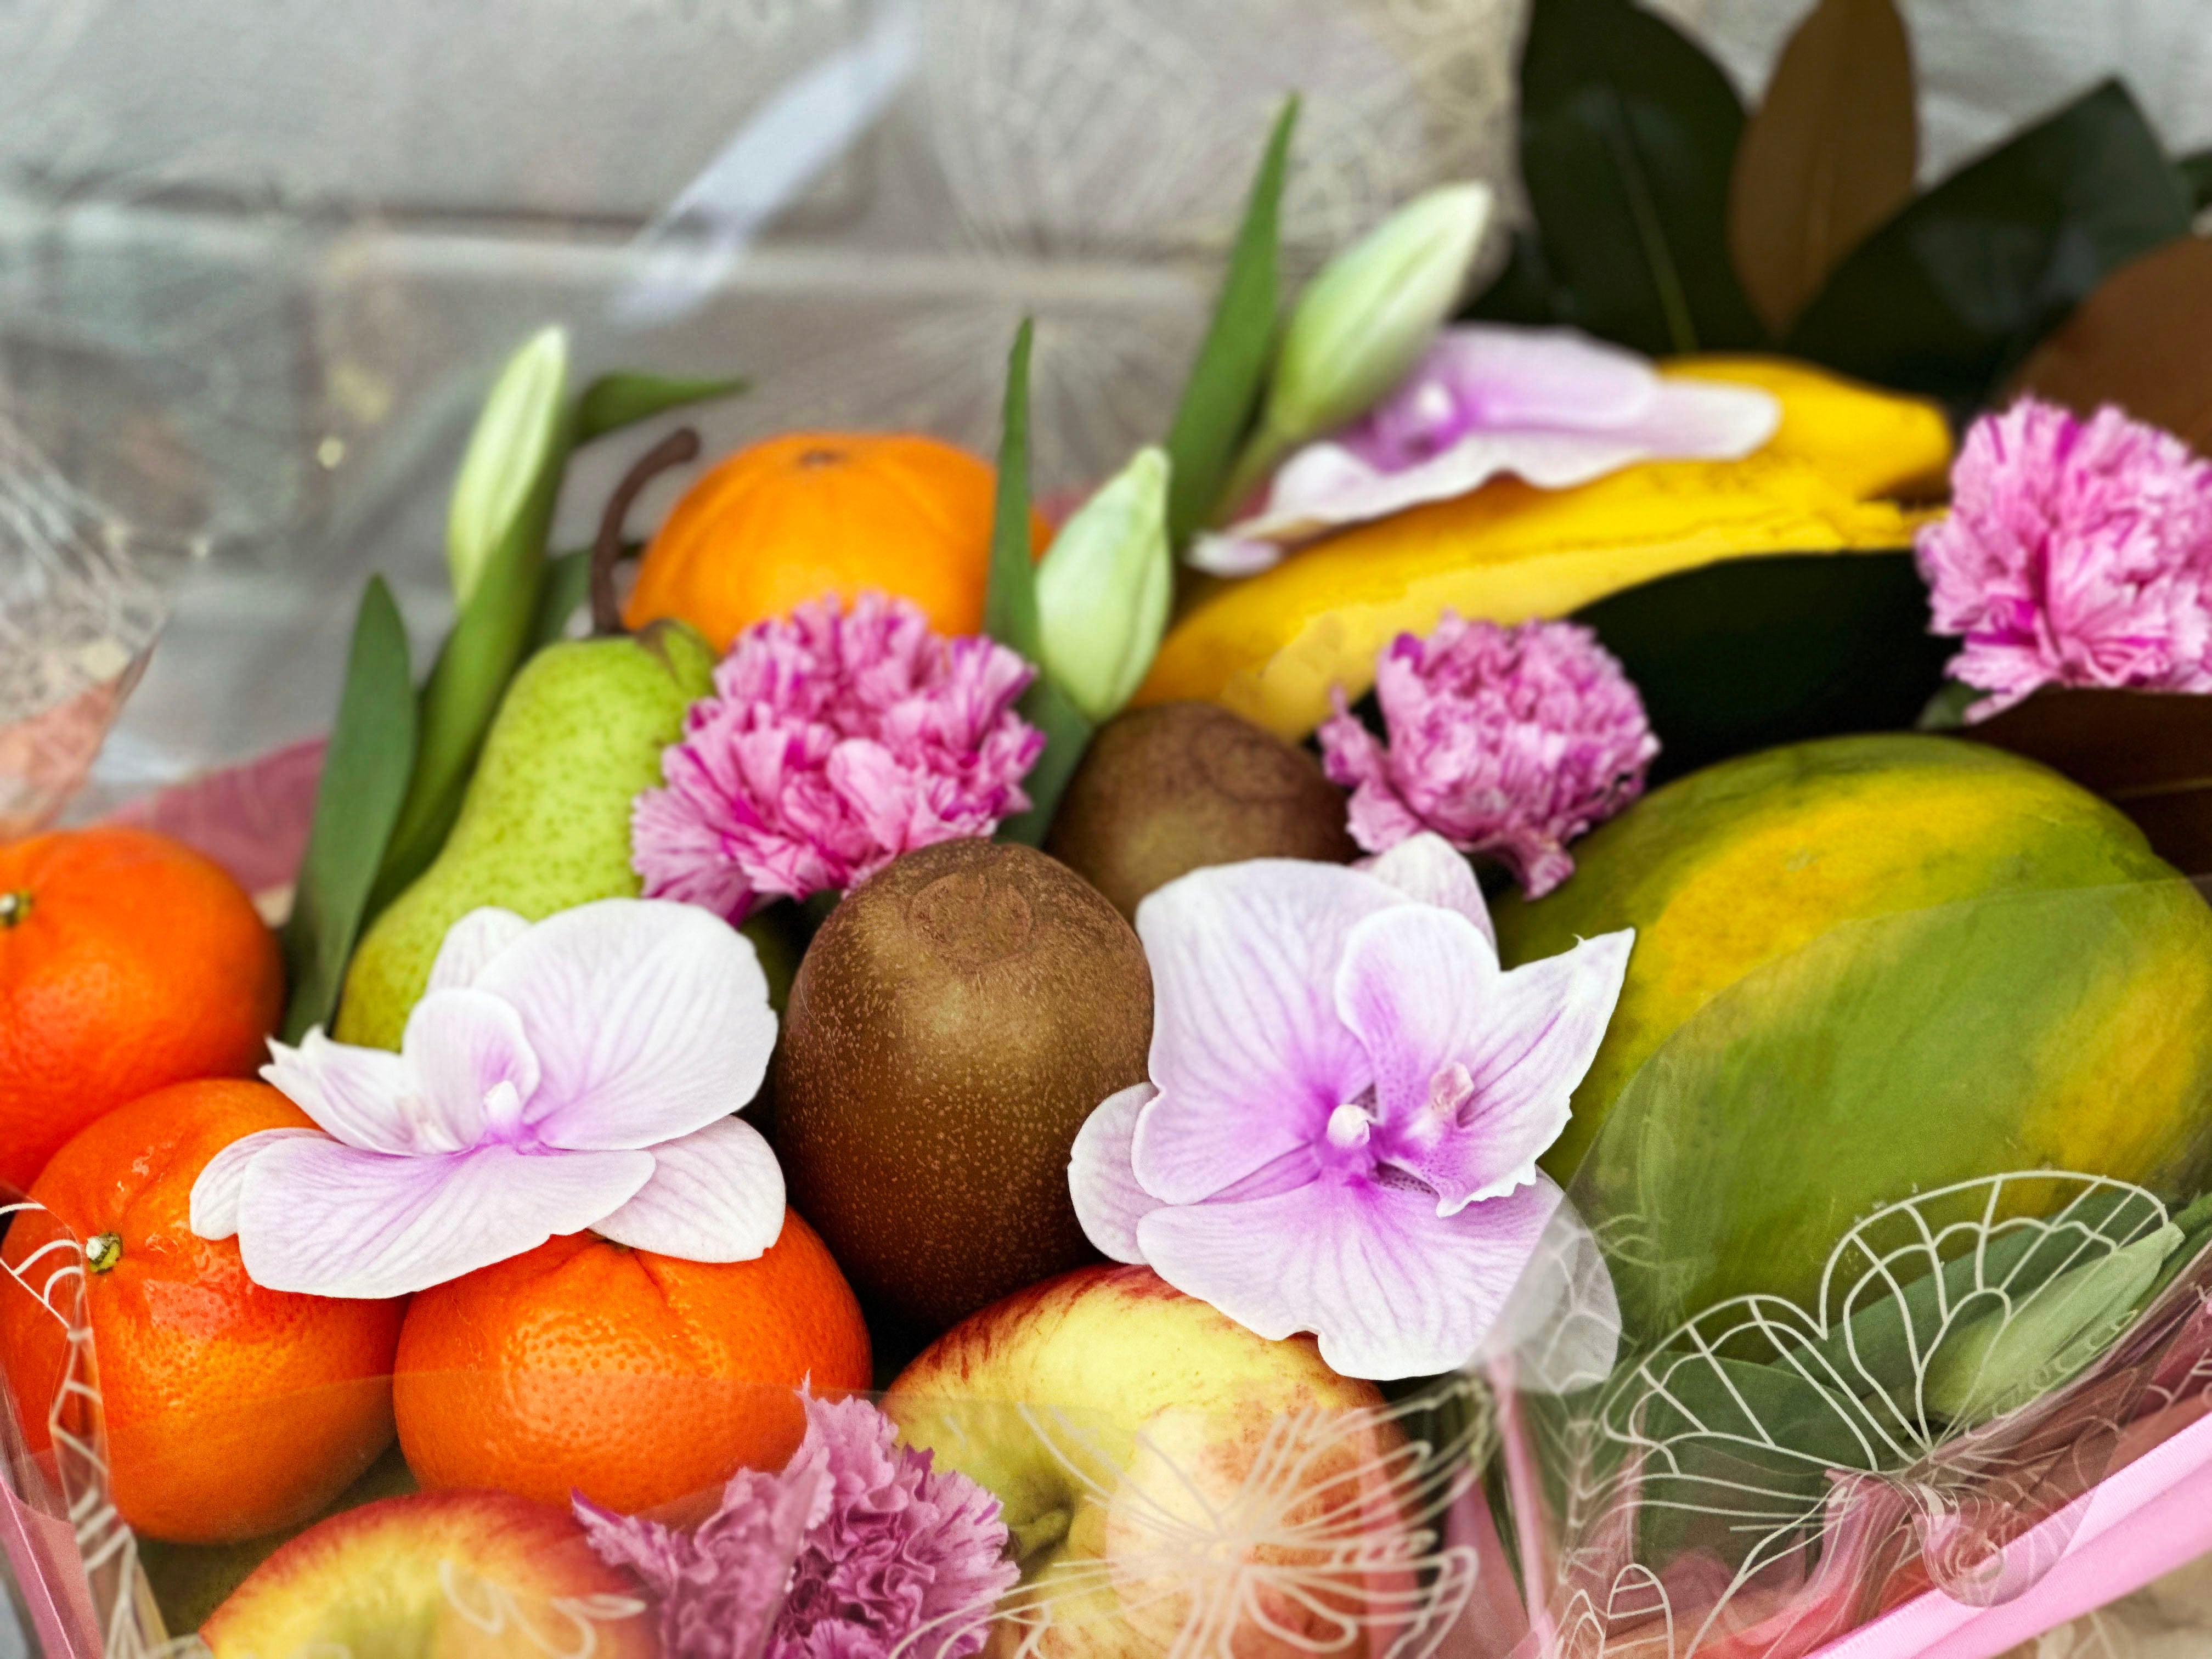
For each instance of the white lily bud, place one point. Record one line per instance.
(517, 435)
(1104, 588)
(1362, 324)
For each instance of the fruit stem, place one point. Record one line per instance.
(1040, 1533)
(674, 450)
(103, 1250)
(14, 908)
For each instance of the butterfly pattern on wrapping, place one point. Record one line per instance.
(1767, 1477)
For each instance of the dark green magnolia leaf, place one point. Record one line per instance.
(366, 767)
(1831, 154)
(1628, 133)
(2149, 753)
(1953, 294)
(1525, 291)
(1751, 652)
(2196, 174)
(615, 401)
(2144, 340)
(1232, 365)
(1067, 731)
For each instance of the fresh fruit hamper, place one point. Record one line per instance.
(1541, 989)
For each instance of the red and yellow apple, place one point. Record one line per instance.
(447, 1575)
(1167, 1476)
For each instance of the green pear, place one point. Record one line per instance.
(545, 824)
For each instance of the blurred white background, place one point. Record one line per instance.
(259, 258)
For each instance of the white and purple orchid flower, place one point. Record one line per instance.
(1549, 405)
(1347, 1099)
(577, 1072)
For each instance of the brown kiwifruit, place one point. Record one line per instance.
(952, 1024)
(1173, 787)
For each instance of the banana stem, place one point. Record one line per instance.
(678, 447)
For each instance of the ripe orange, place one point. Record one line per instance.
(230, 1410)
(637, 1379)
(814, 513)
(127, 961)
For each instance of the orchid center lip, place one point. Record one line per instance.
(1349, 1126)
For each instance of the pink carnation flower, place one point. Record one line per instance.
(835, 741)
(859, 1549)
(1505, 741)
(2075, 553)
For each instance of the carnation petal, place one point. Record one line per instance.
(326, 1219)
(359, 1096)
(716, 1194)
(1391, 1288)
(1101, 1176)
(650, 1019)
(470, 943)
(1248, 1053)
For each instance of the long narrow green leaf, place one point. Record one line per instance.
(1010, 605)
(1232, 365)
(1067, 731)
(488, 641)
(365, 772)
(615, 401)
(567, 584)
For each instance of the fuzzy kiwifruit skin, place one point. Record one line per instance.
(953, 1024)
(1171, 788)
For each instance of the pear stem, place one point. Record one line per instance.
(676, 449)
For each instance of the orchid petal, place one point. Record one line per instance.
(1507, 376)
(1247, 1051)
(472, 942)
(1415, 986)
(650, 1019)
(1708, 421)
(1560, 1329)
(1101, 1178)
(1390, 1287)
(464, 1045)
(359, 1096)
(212, 1210)
(1538, 1040)
(1430, 870)
(716, 1195)
(325, 1219)
(1475, 1070)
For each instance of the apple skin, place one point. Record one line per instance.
(445, 1575)
(1159, 1466)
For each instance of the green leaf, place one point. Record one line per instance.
(488, 641)
(2196, 174)
(1628, 133)
(1231, 366)
(2149, 753)
(567, 584)
(1067, 733)
(1010, 602)
(1956, 290)
(1525, 291)
(1748, 653)
(615, 401)
(365, 771)
(1831, 154)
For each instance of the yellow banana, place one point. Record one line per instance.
(1270, 647)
